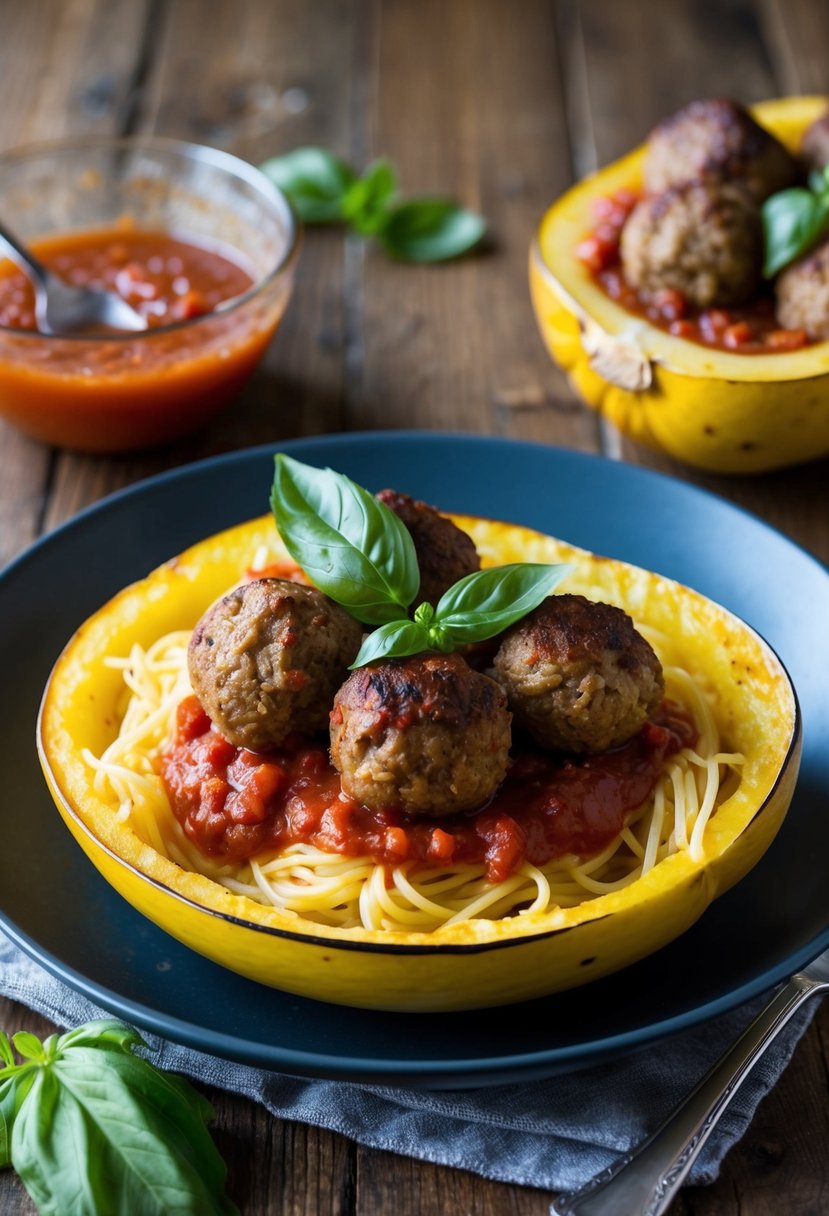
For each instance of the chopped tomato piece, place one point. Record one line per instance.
(737, 335)
(786, 339)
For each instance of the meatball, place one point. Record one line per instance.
(802, 294)
(444, 552)
(814, 148)
(703, 240)
(717, 140)
(578, 676)
(267, 659)
(425, 735)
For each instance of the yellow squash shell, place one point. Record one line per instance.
(469, 965)
(724, 412)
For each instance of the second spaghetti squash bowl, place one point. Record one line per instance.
(473, 963)
(714, 409)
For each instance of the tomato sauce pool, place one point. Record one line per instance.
(236, 803)
(165, 279)
(751, 329)
(109, 391)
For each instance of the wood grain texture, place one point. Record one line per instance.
(456, 346)
(502, 105)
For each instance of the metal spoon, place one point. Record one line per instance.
(646, 1180)
(61, 308)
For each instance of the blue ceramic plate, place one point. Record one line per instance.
(55, 905)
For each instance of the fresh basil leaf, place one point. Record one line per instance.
(5, 1139)
(29, 1046)
(429, 230)
(793, 220)
(106, 1131)
(13, 1091)
(351, 546)
(6, 1053)
(8, 1109)
(102, 1033)
(395, 640)
(367, 199)
(488, 601)
(324, 189)
(315, 181)
(7, 1092)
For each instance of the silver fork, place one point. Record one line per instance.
(645, 1181)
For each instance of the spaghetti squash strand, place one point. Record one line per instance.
(356, 892)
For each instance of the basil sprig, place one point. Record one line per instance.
(358, 552)
(91, 1127)
(793, 221)
(324, 190)
(473, 610)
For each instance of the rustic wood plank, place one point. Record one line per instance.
(456, 346)
(796, 34)
(67, 68)
(23, 490)
(258, 80)
(279, 1167)
(388, 1183)
(630, 87)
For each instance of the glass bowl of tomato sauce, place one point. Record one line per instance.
(201, 243)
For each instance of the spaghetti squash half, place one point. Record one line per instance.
(108, 712)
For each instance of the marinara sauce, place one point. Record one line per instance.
(751, 329)
(236, 803)
(164, 278)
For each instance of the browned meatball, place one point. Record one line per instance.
(425, 735)
(802, 294)
(717, 140)
(267, 659)
(444, 552)
(814, 148)
(703, 240)
(578, 676)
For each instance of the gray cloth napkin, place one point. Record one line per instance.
(553, 1134)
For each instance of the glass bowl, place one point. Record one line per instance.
(115, 392)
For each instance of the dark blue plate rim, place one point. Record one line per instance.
(422, 1071)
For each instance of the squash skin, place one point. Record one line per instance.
(466, 966)
(722, 412)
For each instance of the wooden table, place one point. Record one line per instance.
(502, 104)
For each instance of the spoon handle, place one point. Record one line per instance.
(28, 263)
(646, 1180)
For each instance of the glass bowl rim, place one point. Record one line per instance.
(185, 150)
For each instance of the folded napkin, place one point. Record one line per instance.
(553, 1134)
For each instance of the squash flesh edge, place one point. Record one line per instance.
(546, 950)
